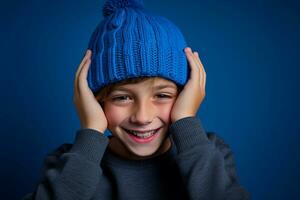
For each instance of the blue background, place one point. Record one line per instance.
(250, 50)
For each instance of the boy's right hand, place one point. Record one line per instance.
(90, 112)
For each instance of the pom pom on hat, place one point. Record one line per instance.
(112, 5)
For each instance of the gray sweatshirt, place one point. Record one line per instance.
(199, 165)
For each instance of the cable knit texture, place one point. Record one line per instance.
(132, 42)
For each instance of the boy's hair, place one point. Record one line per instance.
(104, 92)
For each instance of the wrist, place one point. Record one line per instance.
(97, 128)
(174, 119)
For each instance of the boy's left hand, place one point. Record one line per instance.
(193, 93)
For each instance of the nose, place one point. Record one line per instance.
(143, 113)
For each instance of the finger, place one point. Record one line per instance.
(87, 56)
(82, 77)
(199, 62)
(197, 59)
(79, 68)
(203, 73)
(193, 65)
(84, 70)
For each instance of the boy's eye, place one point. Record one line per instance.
(163, 96)
(121, 98)
(124, 98)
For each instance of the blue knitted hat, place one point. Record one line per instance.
(132, 42)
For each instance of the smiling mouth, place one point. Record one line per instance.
(142, 134)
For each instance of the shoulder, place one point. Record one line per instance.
(217, 141)
(226, 153)
(54, 155)
(63, 148)
(220, 144)
(53, 159)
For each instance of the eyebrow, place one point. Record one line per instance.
(159, 87)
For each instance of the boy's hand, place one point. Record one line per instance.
(89, 110)
(193, 93)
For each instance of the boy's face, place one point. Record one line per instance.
(142, 107)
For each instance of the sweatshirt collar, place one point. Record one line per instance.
(112, 159)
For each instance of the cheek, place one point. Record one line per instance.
(113, 115)
(165, 112)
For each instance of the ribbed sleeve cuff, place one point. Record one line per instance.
(91, 144)
(187, 133)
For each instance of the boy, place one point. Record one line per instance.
(134, 80)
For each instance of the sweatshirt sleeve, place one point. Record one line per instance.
(205, 162)
(72, 171)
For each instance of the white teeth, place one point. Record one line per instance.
(142, 135)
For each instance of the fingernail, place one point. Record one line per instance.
(88, 52)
